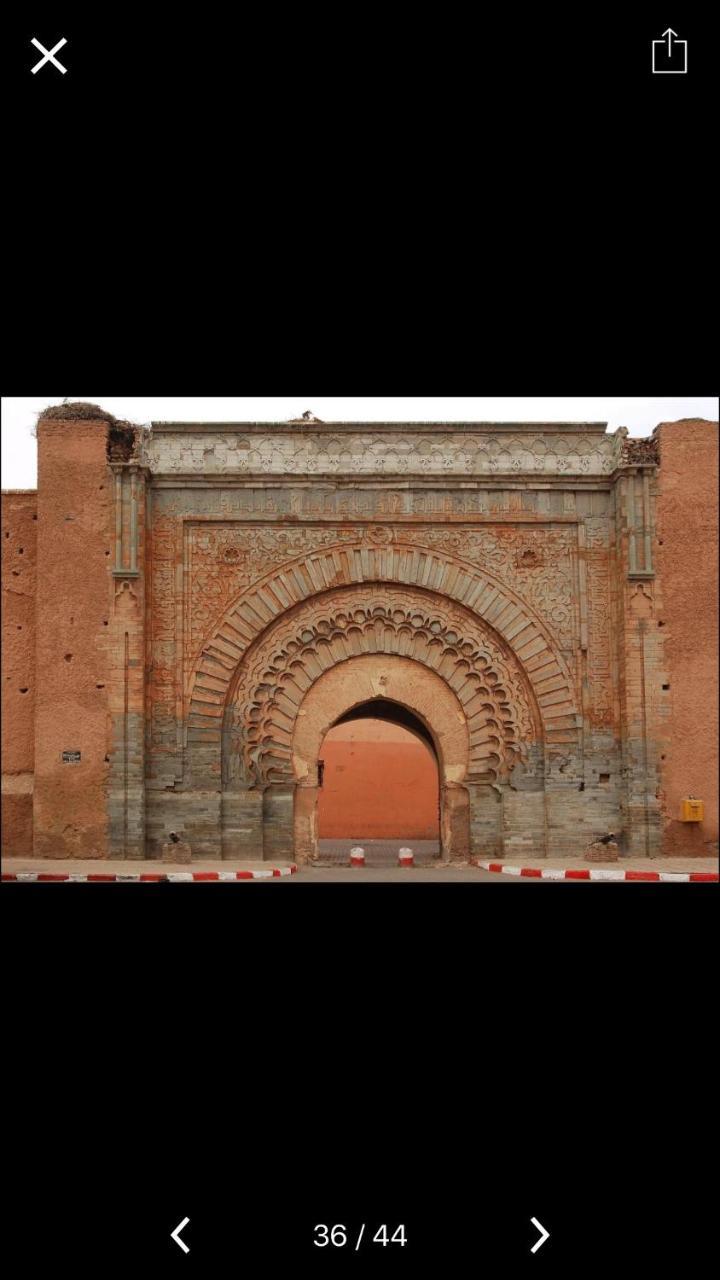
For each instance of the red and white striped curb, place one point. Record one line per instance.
(599, 873)
(148, 877)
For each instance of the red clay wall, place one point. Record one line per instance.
(74, 562)
(380, 782)
(687, 566)
(19, 538)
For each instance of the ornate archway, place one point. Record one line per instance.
(348, 646)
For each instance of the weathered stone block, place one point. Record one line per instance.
(599, 852)
(177, 851)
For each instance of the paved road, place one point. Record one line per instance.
(378, 853)
(400, 875)
(382, 868)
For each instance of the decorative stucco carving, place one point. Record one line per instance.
(284, 664)
(455, 452)
(223, 560)
(537, 563)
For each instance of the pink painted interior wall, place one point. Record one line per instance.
(380, 782)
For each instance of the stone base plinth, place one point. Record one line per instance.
(598, 852)
(179, 852)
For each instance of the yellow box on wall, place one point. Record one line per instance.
(691, 811)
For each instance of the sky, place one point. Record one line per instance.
(639, 414)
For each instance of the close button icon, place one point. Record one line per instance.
(49, 56)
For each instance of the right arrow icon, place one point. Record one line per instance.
(544, 1235)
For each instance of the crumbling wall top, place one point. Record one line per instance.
(123, 438)
(76, 411)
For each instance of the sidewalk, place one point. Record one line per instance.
(97, 870)
(659, 869)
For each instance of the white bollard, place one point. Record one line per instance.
(405, 858)
(357, 857)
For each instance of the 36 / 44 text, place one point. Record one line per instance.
(339, 1236)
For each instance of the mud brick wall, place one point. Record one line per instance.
(74, 565)
(19, 577)
(380, 782)
(687, 559)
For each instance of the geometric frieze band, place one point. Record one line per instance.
(456, 452)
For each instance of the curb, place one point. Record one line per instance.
(587, 873)
(156, 877)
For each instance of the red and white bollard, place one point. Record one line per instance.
(405, 858)
(357, 857)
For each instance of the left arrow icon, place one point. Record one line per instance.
(175, 1235)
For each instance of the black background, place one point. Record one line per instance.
(213, 204)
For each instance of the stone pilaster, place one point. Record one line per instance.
(126, 800)
(640, 668)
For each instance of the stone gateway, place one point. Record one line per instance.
(191, 608)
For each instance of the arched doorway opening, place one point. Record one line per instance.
(341, 690)
(378, 783)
